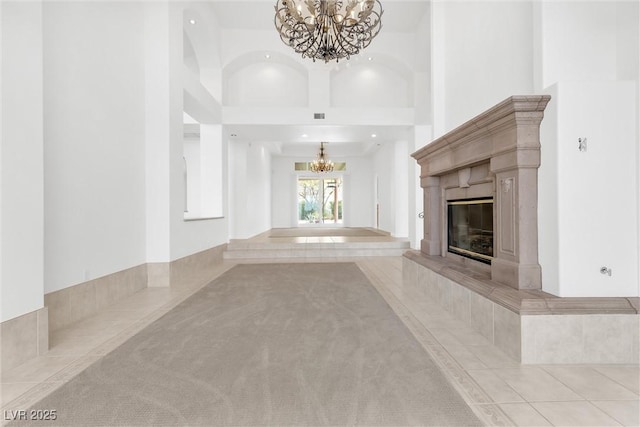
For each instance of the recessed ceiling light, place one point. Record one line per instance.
(304, 135)
(373, 135)
(192, 21)
(370, 58)
(267, 56)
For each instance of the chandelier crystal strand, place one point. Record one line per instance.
(328, 29)
(321, 164)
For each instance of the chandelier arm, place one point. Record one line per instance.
(363, 35)
(328, 29)
(347, 45)
(306, 45)
(360, 35)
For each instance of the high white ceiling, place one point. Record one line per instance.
(400, 16)
(341, 140)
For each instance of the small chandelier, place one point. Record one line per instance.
(328, 29)
(321, 164)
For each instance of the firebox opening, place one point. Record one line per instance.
(470, 228)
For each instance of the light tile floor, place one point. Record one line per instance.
(501, 391)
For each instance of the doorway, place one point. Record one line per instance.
(320, 201)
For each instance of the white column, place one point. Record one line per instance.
(438, 63)
(157, 79)
(22, 160)
(401, 189)
(422, 136)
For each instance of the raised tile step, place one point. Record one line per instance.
(260, 250)
(240, 245)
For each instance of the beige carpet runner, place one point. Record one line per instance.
(269, 344)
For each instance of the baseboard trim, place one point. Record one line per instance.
(77, 302)
(194, 269)
(23, 338)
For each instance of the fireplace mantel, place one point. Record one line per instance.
(504, 142)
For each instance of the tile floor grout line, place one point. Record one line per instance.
(617, 382)
(614, 417)
(596, 371)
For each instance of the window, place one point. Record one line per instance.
(320, 200)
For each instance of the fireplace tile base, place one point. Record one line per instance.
(531, 326)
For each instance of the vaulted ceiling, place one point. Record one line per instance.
(400, 19)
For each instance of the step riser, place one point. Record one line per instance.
(312, 246)
(313, 253)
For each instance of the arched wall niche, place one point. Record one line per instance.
(202, 146)
(190, 58)
(253, 80)
(382, 82)
(201, 37)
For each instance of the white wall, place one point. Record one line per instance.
(237, 167)
(589, 200)
(204, 35)
(157, 136)
(589, 211)
(266, 83)
(189, 237)
(192, 165)
(359, 197)
(487, 55)
(94, 132)
(422, 67)
(250, 195)
(422, 135)
(212, 167)
(401, 190)
(628, 40)
(203, 173)
(21, 160)
(578, 41)
(114, 191)
(385, 175)
(283, 192)
(258, 191)
(397, 185)
(372, 84)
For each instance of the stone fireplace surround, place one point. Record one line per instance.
(497, 154)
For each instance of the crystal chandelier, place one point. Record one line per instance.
(321, 164)
(328, 29)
